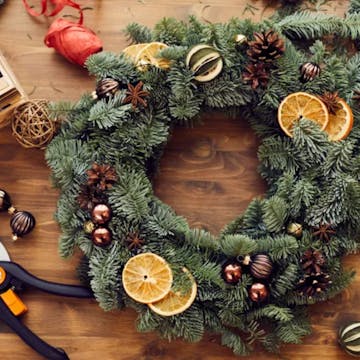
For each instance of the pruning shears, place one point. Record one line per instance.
(12, 279)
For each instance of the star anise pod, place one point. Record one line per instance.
(331, 100)
(312, 262)
(256, 75)
(101, 176)
(323, 232)
(89, 197)
(310, 285)
(134, 242)
(135, 95)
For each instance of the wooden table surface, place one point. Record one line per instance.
(208, 175)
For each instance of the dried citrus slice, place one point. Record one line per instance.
(340, 123)
(148, 55)
(176, 302)
(133, 50)
(301, 105)
(147, 278)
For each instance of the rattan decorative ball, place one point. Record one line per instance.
(32, 125)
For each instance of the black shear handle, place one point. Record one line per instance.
(43, 348)
(24, 276)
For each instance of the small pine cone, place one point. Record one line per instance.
(266, 47)
(89, 197)
(311, 285)
(331, 100)
(256, 75)
(312, 262)
(309, 71)
(101, 176)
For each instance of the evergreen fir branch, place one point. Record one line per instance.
(354, 6)
(237, 245)
(307, 25)
(350, 27)
(353, 75)
(275, 213)
(104, 270)
(339, 158)
(303, 195)
(201, 239)
(280, 247)
(147, 321)
(234, 342)
(118, 67)
(169, 31)
(277, 153)
(222, 92)
(285, 281)
(105, 114)
(311, 143)
(137, 33)
(130, 197)
(292, 331)
(318, 51)
(281, 314)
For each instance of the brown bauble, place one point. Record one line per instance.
(258, 292)
(5, 201)
(101, 214)
(261, 266)
(21, 223)
(106, 88)
(231, 272)
(101, 236)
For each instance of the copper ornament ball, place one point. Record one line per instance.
(258, 292)
(232, 272)
(101, 236)
(101, 214)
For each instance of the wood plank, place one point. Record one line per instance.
(208, 174)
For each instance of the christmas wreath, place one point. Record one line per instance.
(296, 79)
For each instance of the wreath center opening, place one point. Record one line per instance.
(208, 173)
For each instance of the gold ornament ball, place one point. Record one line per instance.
(32, 125)
(241, 41)
(295, 229)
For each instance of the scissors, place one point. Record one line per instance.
(12, 279)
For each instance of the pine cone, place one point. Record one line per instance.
(89, 197)
(266, 47)
(101, 176)
(356, 96)
(256, 74)
(312, 262)
(331, 100)
(310, 285)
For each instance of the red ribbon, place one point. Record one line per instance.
(58, 6)
(72, 40)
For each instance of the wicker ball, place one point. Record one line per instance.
(31, 124)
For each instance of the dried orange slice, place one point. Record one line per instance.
(149, 56)
(147, 278)
(176, 302)
(301, 105)
(133, 50)
(340, 123)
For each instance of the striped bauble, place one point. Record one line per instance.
(261, 266)
(21, 223)
(349, 338)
